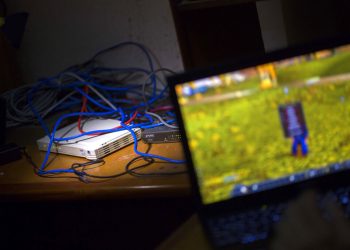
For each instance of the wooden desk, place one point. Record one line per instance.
(18, 181)
(67, 213)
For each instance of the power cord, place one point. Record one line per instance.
(36, 168)
(80, 169)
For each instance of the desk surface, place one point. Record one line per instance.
(18, 181)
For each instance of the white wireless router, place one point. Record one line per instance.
(91, 147)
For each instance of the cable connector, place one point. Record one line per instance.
(84, 178)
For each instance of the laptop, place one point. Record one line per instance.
(259, 132)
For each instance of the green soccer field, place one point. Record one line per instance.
(240, 141)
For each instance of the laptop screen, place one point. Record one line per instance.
(269, 125)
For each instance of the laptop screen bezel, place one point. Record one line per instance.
(196, 74)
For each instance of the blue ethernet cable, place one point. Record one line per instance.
(109, 88)
(76, 102)
(39, 117)
(92, 99)
(150, 118)
(99, 86)
(140, 46)
(107, 69)
(49, 83)
(35, 112)
(74, 84)
(149, 155)
(42, 170)
(102, 131)
(122, 114)
(158, 124)
(52, 139)
(172, 114)
(154, 99)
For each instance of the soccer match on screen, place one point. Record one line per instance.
(261, 124)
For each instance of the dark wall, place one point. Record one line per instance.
(217, 34)
(309, 20)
